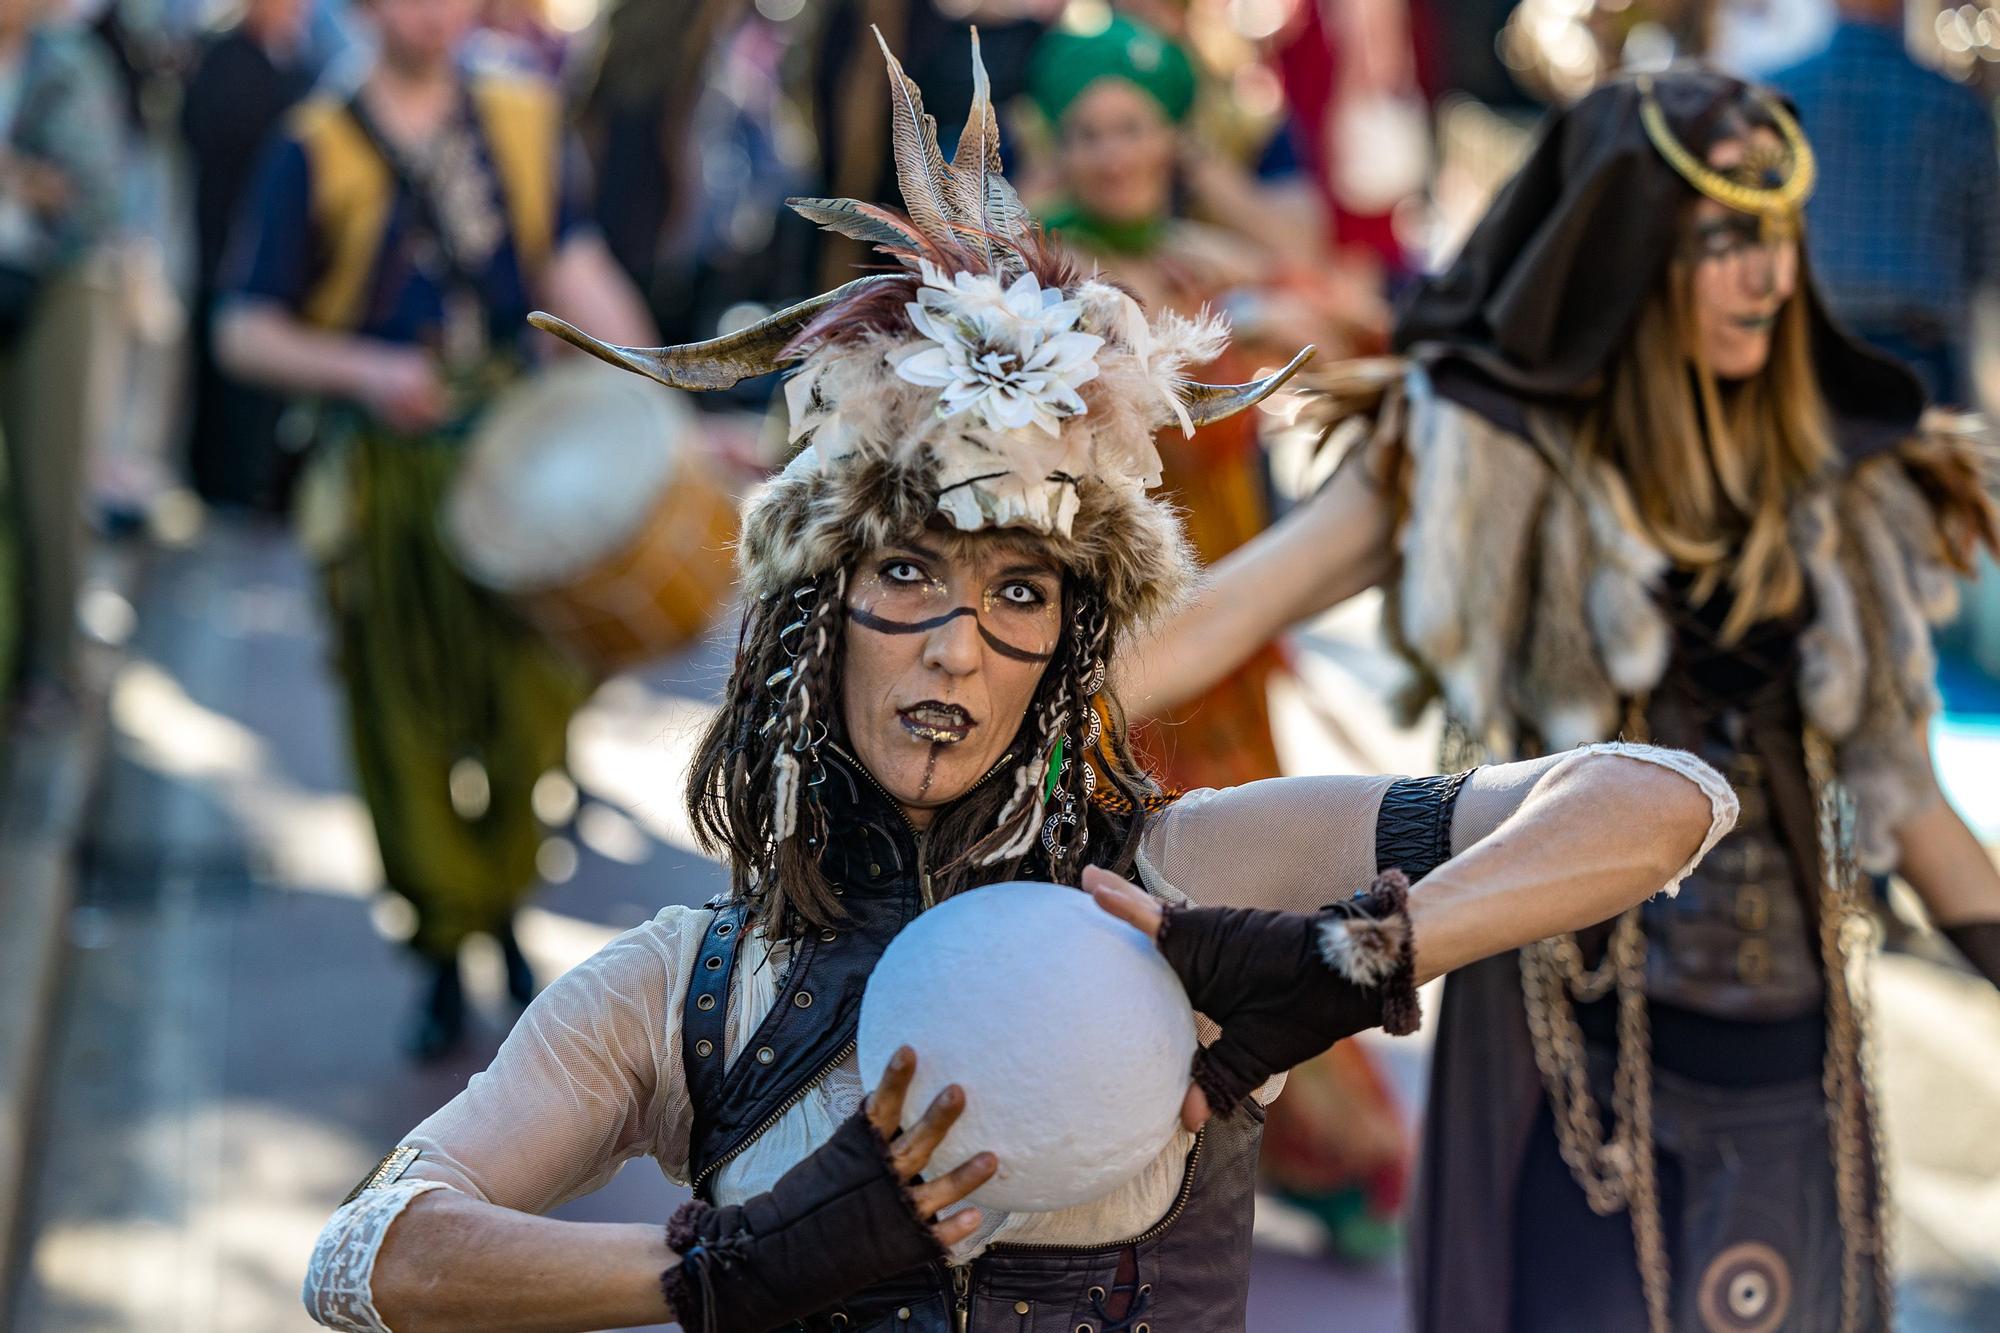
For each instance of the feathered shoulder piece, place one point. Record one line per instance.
(982, 378)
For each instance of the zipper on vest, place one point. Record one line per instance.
(922, 836)
(961, 1288)
(924, 869)
(963, 1295)
(1150, 1234)
(784, 1108)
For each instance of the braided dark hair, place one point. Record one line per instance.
(751, 791)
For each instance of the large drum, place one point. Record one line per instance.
(587, 499)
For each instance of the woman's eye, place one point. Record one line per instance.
(902, 571)
(1721, 240)
(1021, 594)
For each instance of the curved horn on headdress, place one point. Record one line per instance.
(1207, 403)
(719, 362)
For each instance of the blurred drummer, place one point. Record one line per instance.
(401, 230)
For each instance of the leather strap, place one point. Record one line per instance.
(705, 1013)
(1413, 825)
(816, 1015)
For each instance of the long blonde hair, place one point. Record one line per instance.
(1707, 471)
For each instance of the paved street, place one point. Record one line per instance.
(227, 1061)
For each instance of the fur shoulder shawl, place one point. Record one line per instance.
(1526, 603)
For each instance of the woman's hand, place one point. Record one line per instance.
(844, 1217)
(1125, 900)
(1283, 986)
(910, 1152)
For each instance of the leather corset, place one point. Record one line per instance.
(1188, 1273)
(1740, 940)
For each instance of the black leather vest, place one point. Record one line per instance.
(1187, 1273)
(1740, 940)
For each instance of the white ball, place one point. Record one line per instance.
(1068, 1031)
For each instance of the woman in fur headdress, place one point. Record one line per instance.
(934, 589)
(1631, 479)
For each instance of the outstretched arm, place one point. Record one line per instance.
(1549, 847)
(1500, 856)
(1598, 832)
(1332, 546)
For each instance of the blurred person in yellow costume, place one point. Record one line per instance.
(1117, 93)
(398, 235)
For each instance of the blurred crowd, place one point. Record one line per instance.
(1289, 162)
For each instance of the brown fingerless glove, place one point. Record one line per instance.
(836, 1222)
(1285, 986)
(1980, 943)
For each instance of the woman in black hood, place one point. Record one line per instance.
(1627, 477)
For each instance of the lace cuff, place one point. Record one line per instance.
(1722, 803)
(337, 1290)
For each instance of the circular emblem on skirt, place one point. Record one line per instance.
(1747, 1289)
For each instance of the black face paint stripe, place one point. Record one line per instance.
(869, 620)
(882, 626)
(1009, 650)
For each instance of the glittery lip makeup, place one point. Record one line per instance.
(939, 723)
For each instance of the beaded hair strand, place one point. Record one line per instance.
(750, 790)
(1065, 834)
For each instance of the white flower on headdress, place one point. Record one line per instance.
(1010, 354)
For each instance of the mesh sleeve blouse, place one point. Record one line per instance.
(591, 1076)
(1298, 843)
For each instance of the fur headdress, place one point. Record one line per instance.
(984, 380)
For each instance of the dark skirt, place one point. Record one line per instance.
(1747, 1204)
(456, 707)
(1505, 1242)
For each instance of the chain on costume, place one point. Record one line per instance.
(1617, 1172)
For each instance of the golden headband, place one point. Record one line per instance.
(1778, 205)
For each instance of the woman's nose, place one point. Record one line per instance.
(1769, 270)
(1759, 271)
(953, 647)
